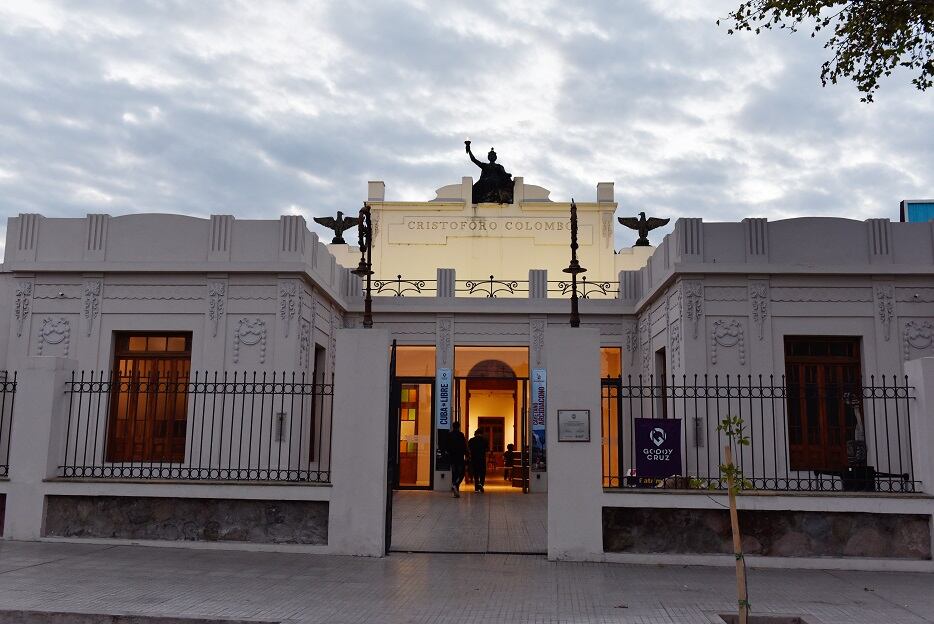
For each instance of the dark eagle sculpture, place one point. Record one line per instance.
(643, 226)
(339, 225)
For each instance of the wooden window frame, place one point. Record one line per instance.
(151, 438)
(819, 422)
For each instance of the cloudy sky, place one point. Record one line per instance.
(262, 108)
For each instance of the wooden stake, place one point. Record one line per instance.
(737, 543)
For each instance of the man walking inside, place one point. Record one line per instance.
(478, 447)
(457, 451)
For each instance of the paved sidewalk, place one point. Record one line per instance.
(502, 520)
(461, 589)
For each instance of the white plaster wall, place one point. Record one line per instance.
(359, 472)
(574, 468)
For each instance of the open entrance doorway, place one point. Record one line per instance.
(491, 397)
(489, 394)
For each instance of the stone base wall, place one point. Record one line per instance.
(187, 519)
(769, 533)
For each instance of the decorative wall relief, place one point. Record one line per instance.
(645, 342)
(312, 312)
(335, 321)
(822, 294)
(537, 329)
(759, 304)
(217, 304)
(727, 333)
(725, 293)
(23, 305)
(918, 335)
(290, 303)
(693, 300)
(885, 306)
(631, 341)
(607, 226)
(304, 345)
(155, 292)
(92, 304)
(54, 332)
(674, 339)
(250, 333)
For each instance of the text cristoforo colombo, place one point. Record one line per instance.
(489, 225)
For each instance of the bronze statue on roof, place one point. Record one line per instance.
(495, 184)
(643, 226)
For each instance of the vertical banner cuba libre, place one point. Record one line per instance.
(443, 399)
(658, 448)
(538, 459)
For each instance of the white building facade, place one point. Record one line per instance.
(208, 381)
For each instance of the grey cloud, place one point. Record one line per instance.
(256, 128)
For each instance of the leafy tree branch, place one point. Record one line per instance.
(869, 38)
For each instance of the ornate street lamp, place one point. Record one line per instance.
(365, 267)
(574, 268)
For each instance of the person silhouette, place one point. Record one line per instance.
(495, 184)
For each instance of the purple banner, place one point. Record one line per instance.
(658, 447)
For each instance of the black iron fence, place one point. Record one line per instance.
(586, 289)
(400, 287)
(814, 437)
(490, 288)
(205, 426)
(7, 394)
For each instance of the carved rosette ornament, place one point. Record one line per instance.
(54, 332)
(759, 303)
(727, 333)
(250, 333)
(885, 306)
(918, 335)
(217, 304)
(23, 305)
(693, 300)
(92, 304)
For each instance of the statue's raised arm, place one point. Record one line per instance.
(472, 157)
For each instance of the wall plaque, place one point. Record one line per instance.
(573, 425)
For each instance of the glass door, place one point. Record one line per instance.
(415, 432)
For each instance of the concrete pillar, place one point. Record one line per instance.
(446, 283)
(921, 377)
(359, 443)
(518, 190)
(575, 529)
(467, 189)
(538, 284)
(376, 191)
(605, 193)
(37, 442)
